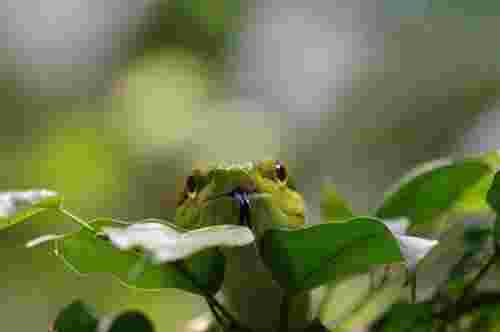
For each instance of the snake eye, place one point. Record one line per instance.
(281, 172)
(190, 184)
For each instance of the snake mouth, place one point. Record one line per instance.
(248, 199)
(245, 199)
(242, 198)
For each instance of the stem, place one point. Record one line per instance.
(284, 311)
(413, 287)
(216, 305)
(479, 276)
(371, 275)
(453, 312)
(211, 301)
(216, 314)
(443, 325)
(78, 220)
(478, 301)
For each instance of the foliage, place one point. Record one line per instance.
(79, 317)
(334, 251)
(430, 202)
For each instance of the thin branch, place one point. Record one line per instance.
(209, 298)
(481, 299)
(216, 314)
(464, 304)
(284, 310)
(413, 286)
(78, 220)
(216, 305)
(479, 276)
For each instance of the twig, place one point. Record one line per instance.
(217, 306)
(464, 304)
(78, 220)
(479, 276)
(413, 286)
(471, 304)
(216, 314)
(284, 310)
(212, 302)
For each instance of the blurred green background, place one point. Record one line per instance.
(112, 104)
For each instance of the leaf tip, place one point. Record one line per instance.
(414, 249)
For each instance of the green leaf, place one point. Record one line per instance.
(76, 317)
(306, 258)
(130, 321)
(167, 243)
(85, 253)
(353, 291)
(333, 207)
(17, 206)
(493, 198)
(430, 195)
(493, 195)
(372, 308)
(404, 317)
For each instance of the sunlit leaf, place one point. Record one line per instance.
(167, 244)
(76, 317)
(431, 194)
(371, 309)
(84, 253)
(17, 206)
(306, 258)
(353, 291)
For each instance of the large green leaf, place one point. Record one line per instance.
(17, 206)
(306, 258)
(76, 317)
(432, 194)
(84, 252)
